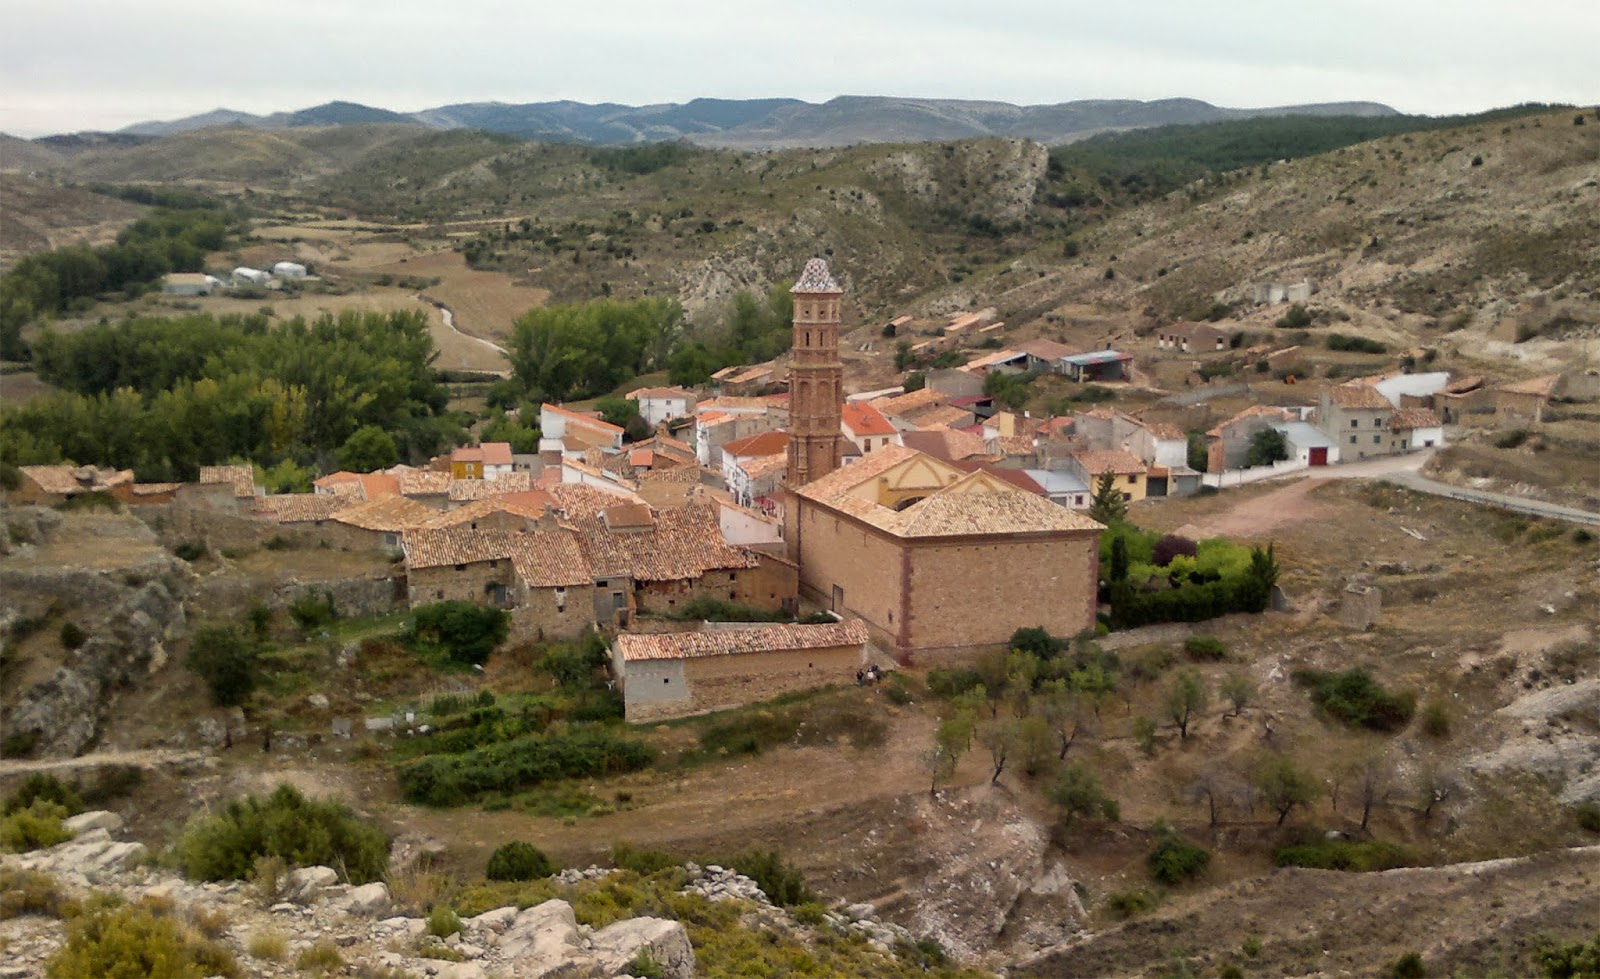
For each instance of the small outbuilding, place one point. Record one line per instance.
(190, 284)
(244, 274)
(289, 270)
(666, 675)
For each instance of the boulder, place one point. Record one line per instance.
(541, 939)
(99, 819)
(495, 921)
(367, 899)
(304, 883)
(667, 942)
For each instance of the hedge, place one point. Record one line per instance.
(511, 765)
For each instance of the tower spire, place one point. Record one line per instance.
(816, 377)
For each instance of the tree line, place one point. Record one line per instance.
(164, 396)
(168, 240)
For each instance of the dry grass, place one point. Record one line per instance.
(267, 944)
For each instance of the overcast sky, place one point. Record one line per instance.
(68, 65)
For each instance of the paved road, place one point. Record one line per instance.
(1406, 471)
(150, 758)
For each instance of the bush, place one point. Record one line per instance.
(1356, 699)
(626, 856)
(1588, 816)
(1296, 318)
(267, 944)
(1436, 720)
(226, 661)
(1582, 536)
(190, 551)
(528, 761)
(710, 609)
(1577, 960)
(1512, 439)
(72, 635)
(463, 632)
(780, 880)
(519, 861)
(33, 828)
(322, 958)
(27, 892)
(135, 941)
(1408, 966)
(443, 921)
(1127, 904)
(42, 786)
(1205, 648)
(953, 682)
(1172, 545)
(313, 610)
(1360, 345)
(1346, 855)
(644, 966)
(1175, 859)
(1079, 794)
(303, 832)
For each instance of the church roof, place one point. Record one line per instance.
(816, 278)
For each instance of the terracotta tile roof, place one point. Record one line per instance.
(668, 445)
(833, 487)
(1408, 418)
(579, 418)
(1053, 426)
(391, 514)
(764, 466)
(581, 500)
(1015, 445)
(531, 505)
(748, 375)
(154, 489)
(939, 415)
(67, 480)
(242, 478)
(496, 453)
(1016, 477)
(627, 516)
(991, 359)
(685, 543)
(298, 507)
(543, 558)
(424, 482)
(1358, 396)
(659, 393)
(1265, 411)
(902, 403)
(1162, 430)
(348, 492)
(945, 443)
(675, 474)
(730, 403)
(334, 479)
(480, 489)
(376, 486)
(862, 419)
(981, 503)
(734, 642)
(764, 444)
(1543, 387)
(1098, 461)
(1183, 329)
(437, 548)
(1462, 385)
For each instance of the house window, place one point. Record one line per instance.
(439, 594)
(1377, 439)
(666, 679)
(1133, 480)
(1352, 440)
(461, 567)
(1402, 445)
(561, 599)
(1354, 422)
(1078, 500)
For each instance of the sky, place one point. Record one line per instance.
(69, 65)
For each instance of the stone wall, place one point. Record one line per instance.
(353, 597)
(659, 689)
(470, 584)
(546, 613)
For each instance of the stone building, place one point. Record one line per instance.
(540, 575)
(816, 377)
(49, 485)
(936, 561)
(377, 524)
(675, 674)
(1356, 416)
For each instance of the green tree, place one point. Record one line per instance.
(368, 448)
(1199, 454)
(1186, 696)
(464, 632)
(1078, 794)
(1239, 690)
(618, 411)
(1283, 785)
(225, 660)
(1266, 447)
(1109, 505)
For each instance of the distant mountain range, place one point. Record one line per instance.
(769, 123)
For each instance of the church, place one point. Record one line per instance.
(936, 562)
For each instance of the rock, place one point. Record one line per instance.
(617, 944)
(859, 911)
(367, 899)
(99, 819)
(541, 937)
(319, 701)
(283, 907)
(303, 884)
(495, 921)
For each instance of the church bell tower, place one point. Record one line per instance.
(816, 377)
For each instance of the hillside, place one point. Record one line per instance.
(36, 215)
(25, 154)
(772, 123)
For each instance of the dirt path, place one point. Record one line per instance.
(1260, 515)
(145, 758)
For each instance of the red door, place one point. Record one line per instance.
(1319, 456)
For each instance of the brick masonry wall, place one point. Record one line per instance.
(833, 552)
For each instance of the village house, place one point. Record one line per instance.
(486, 461)
(954, 383)
(729, 419)
(866, 427)
(1007, 361)
(468, 490)
(1416, 428)
(225, 488)
(745, 527)
(305, 515)
(665, 675)
(430, 487)
(1228, 444)
(1062, 488)
(1187, 338)
(1523, 404)
(753, 480)
(1307, 444)
(901, 539)
(377, 524)
(539, 575)
(190, 284)
(289, 270)
(564, 433)
(49, 485)
(1045, 356)
(1356, 416)
(744, 381)
(657, 406)
(1098, 365)
(1128, 471)
(946, 444)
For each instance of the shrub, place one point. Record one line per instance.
(1588, 816)
(27, 892)
(1408, 966)
(33, 828)
(953, 682)
(1205, 648)
(1436, 719)
(443, 921)
(260, 616)
(267, 944)
(210, 922)
(72, 635)
(1582, 536)
(462, 631)
(46, 787)
(1360, 345)
(135, 941)
(322, 958)
(711, 609)
(1355, 698)
(626, 856)
(645, 966)
(1170, 546)
(1127, 904)
(1296, 318)
(190, 551)
(1175, 859)
(1037, 641)
(780, 880)
(1512, 439)
(303, 832)
(1079, 794)
(519, 861)
(226, 661)
(1346, 855)
(313, 610)
(1577, 960)
(521, 763)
